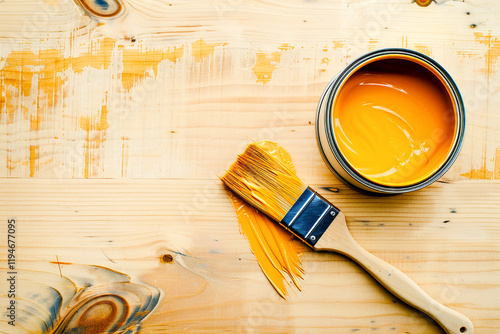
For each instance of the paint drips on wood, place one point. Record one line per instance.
(276, 249)
(34, 96)
(484, 173)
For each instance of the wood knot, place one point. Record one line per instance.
(423, 3)
(166, 258)
(101, 8)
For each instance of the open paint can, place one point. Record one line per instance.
(391, 122)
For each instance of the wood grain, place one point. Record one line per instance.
(445, 238)
(337, 238)
(113, 129)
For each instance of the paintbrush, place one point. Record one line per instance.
(265, 183)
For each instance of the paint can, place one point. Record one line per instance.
(406, 64)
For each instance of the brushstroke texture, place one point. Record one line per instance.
(274, 247)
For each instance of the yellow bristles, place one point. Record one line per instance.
(264, 182)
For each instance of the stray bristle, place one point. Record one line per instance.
(264, 182)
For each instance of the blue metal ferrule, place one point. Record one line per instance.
(310, 217)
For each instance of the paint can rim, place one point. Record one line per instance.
(324, 114)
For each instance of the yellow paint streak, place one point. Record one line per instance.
(34, 123)
(497, 164)
(33, 159)
(201, 49)
(423, 49)
(137, 64)
(10, 164)
(20, 70)
(273, 246)
(265, 65)
(338, 45)
(372, 44)
(485, 174)
(21, 66)
(286, 47)
(479, 174)
(125, 156)
(493, 49)
(96, 136)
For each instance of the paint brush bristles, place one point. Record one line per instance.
(264, 182)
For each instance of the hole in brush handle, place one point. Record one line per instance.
(310, 217)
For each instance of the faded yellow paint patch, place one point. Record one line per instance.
(265, 65)
(286, 47)
(8, 100)
(21, 71)
(497, 164)
(485, 174)
(34, 123)
(201, 49)
(34, 149)
(493, 49)
(326, 62)
(479, 174)
(404, 41)
(423, 49)
(125, 155)
(338, 44)
(137, 63)
(96, 136)
(21, 66)
(10, 164)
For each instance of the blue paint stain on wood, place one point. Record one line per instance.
(103, 4)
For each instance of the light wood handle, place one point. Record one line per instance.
(394, 280)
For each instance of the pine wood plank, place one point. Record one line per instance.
(112, 132)
(445, 238)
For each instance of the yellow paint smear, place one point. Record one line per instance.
(497, 164)
(479, 174)
(372, 44)
(125, 155)
(338, 44)
(21, 66)
(286, 47)
(265, 65)
(96, 136)
(33, 159)
(267, 62)
(423, 48)
(202, 49)
(273, 246)
(137, 64)
(493, 49)
(483, 173)
(20, 70)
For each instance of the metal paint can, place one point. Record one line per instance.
(329, 147)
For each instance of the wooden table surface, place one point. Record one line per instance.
(117, 117)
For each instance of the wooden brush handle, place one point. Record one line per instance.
(338, 239)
